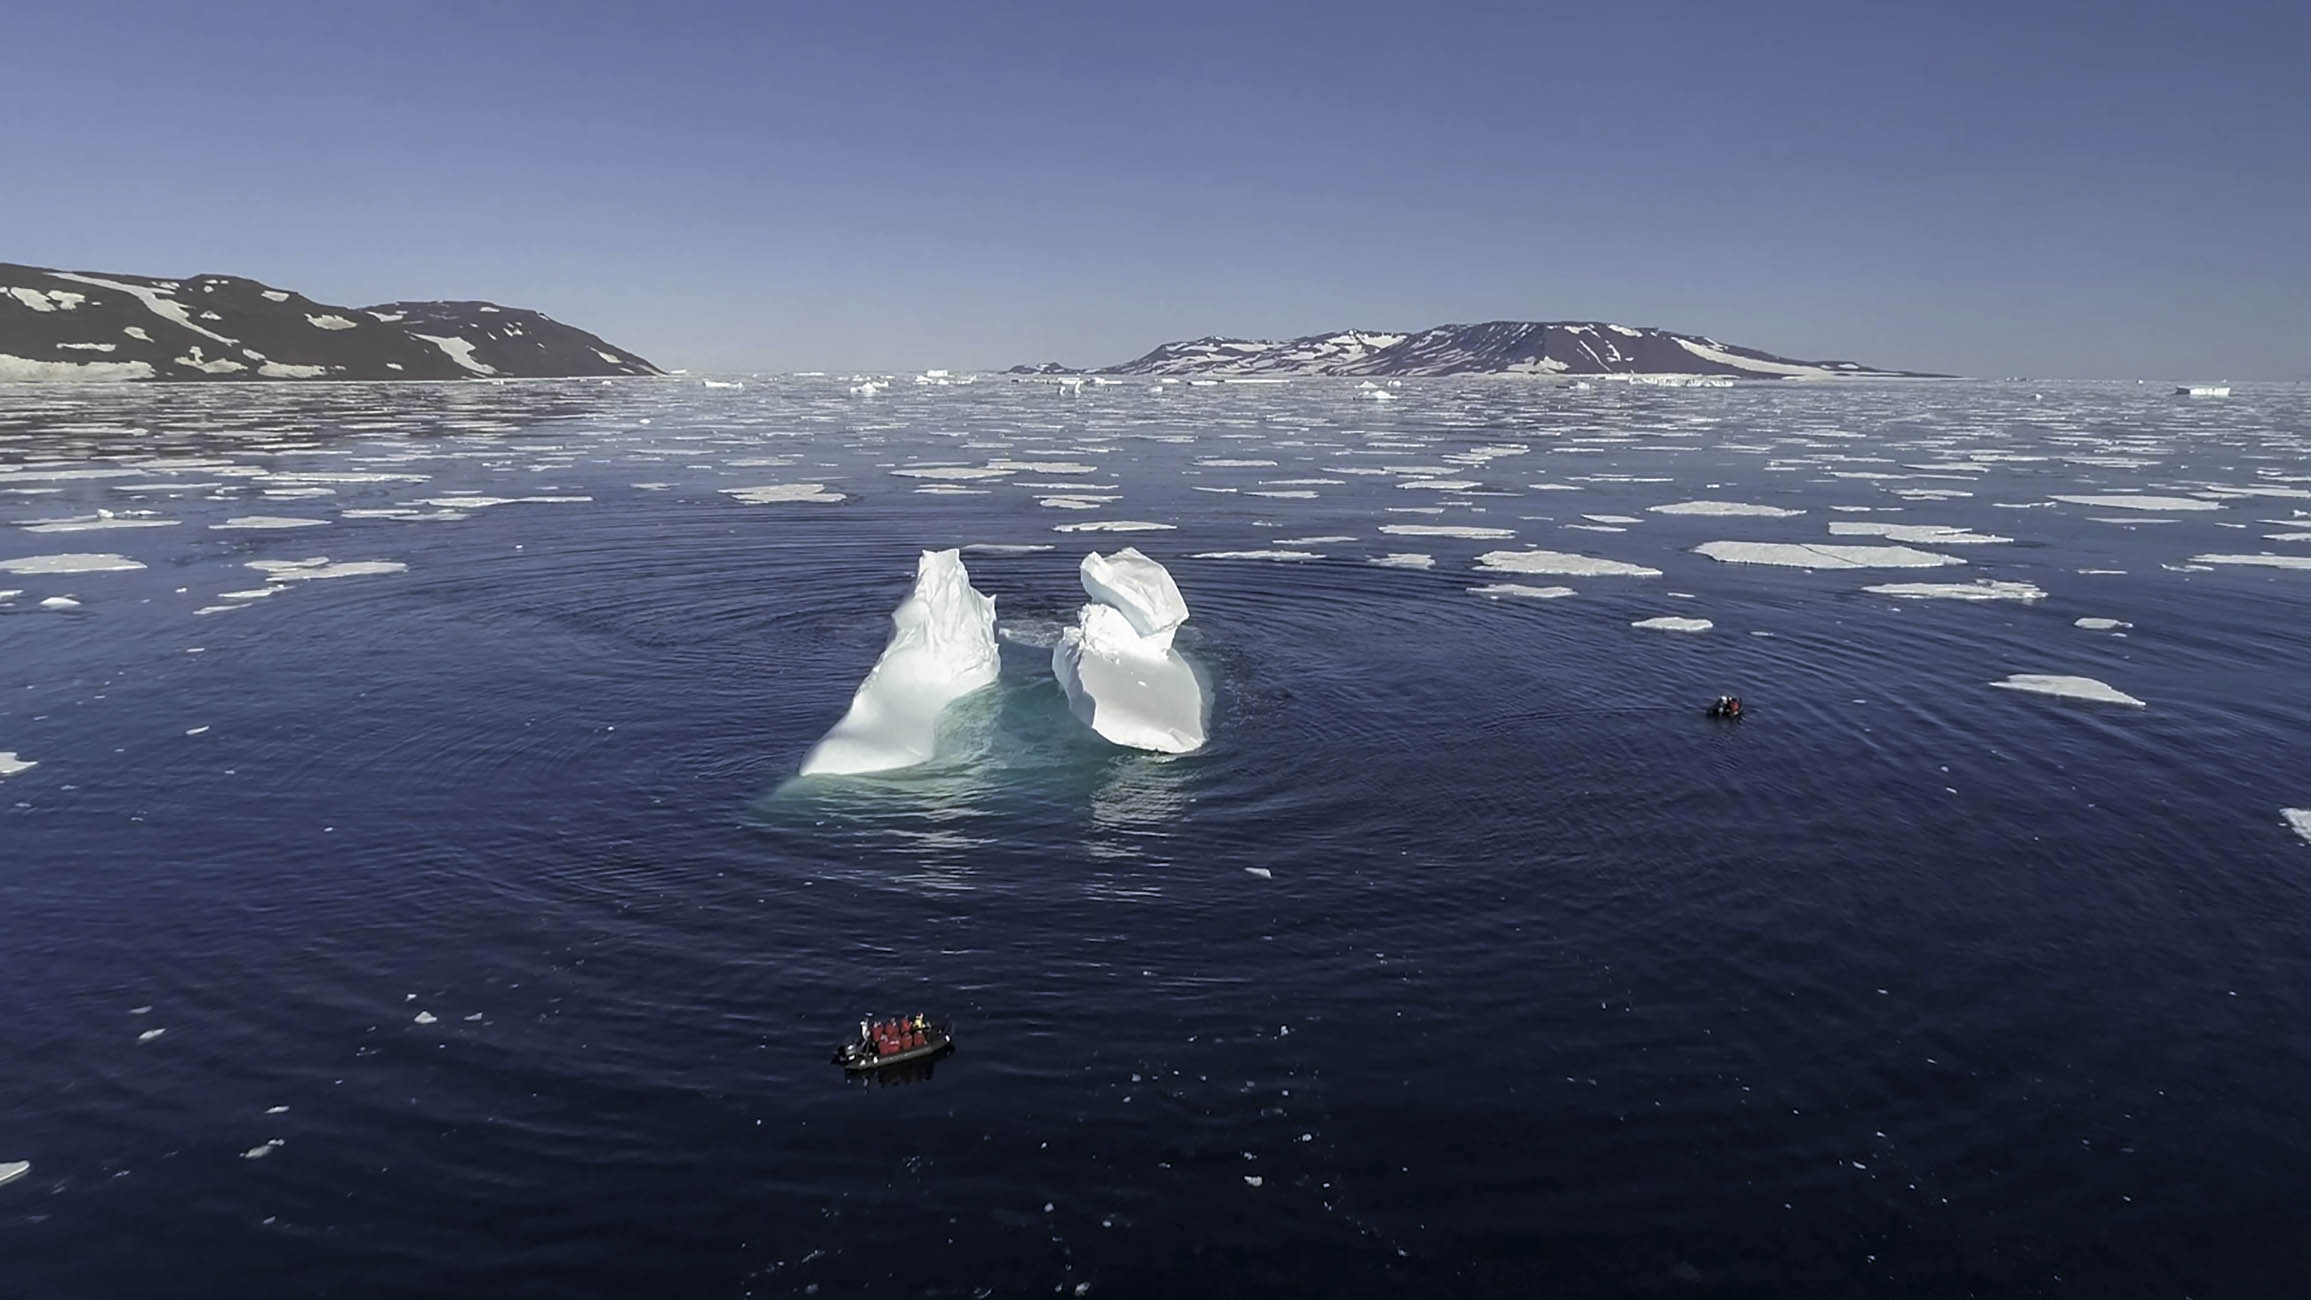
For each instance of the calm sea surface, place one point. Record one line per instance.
(410, 894)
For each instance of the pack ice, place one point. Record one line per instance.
(942, 648)
(1117, 664)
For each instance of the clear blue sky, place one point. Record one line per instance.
(2101, 189)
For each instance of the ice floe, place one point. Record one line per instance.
(73, 563)
(1449, 530)
(1121, 674)
(1113, 526)
(1497, 590)
(776, 493)
(942, 648)
(1670, 623)
(100, 521)
(1256, 555)
(1980, 589)
(1810, 555)
(2131, 501)
(2299, 819)
(11, 1170)
(1725, 509)
(2100, 624)
(2264, 561)
(1924, 534)
(10, 764)
(317, 567)
(1405, 560)
(269, 522)
(1561, 562)
(2069, 688)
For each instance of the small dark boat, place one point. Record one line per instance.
(882, 1044)
(1727, 707)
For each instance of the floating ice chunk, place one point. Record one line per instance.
(1142, 590)
(2073, 688)
(942, 648)
(100, 521)
(1006, 548)
(149, 1035)
(11, 1170)
(1612, 519)
(1334, 540)
(1982, 589)
(1723, 508)
(269, 522)
(1257, 555)
(1113, 526)
(10, 764)
(950, 471)
(1668, 623)
(321, 566)
(2298, 818)
(1496, 590)
(425, 1018)
(1075, 503)
(1927, 534)
(1405, 560)
(2100, 624)
(1448, 530)
(1265, 874)
(774, 493)
(1237, 464)
(1561, 562)
(76, 563)
(59, 602)
(2265, 561)
(2131, 501)
(1807, 555)
(260, 1152)
(1134, 689)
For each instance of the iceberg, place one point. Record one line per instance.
(942, 648)
(1122, 677)
(2298, 818)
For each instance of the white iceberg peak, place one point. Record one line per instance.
(942, 648)
(1140, 589)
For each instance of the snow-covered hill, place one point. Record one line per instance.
(1493, 347)
(75, 325)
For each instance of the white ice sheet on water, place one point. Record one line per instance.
(1809, 555)
(2069, 688)
(1982, 589)
(1561, 562)
(2299, 819)
(942, 648)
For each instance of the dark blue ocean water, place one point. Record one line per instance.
(491, 870)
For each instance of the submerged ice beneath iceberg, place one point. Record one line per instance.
(1117, 665)
(942, 648)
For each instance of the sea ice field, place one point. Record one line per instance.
(409, 885)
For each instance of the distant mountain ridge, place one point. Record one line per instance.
(1500, 347)
(86, 325)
